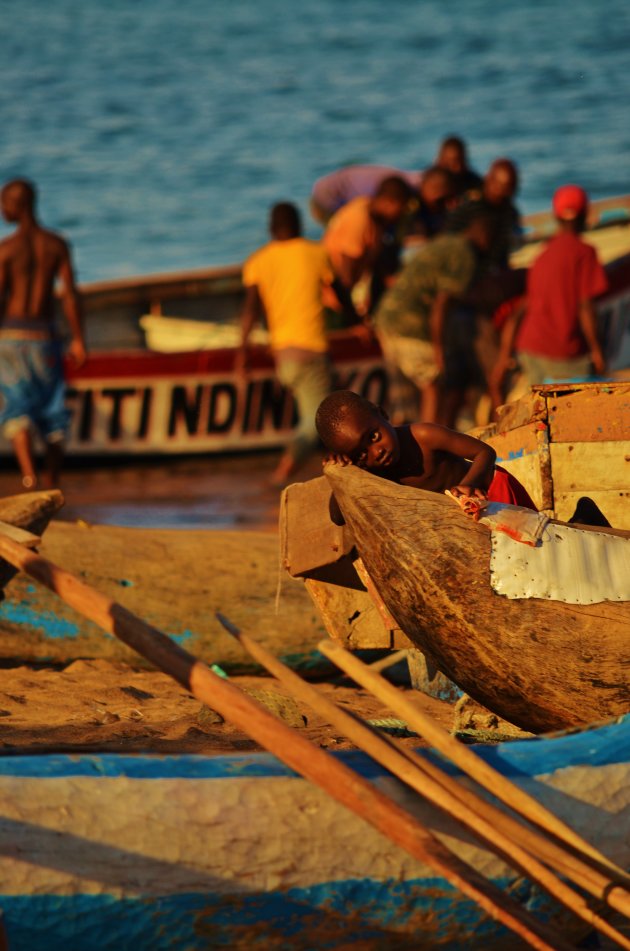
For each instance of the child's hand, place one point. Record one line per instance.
(469, 491)
(472, 500)
(338, 458)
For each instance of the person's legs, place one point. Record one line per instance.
(53, 415)
(17, 394)
(53, 462)
(310, 381)
(538, 369)
(461, 368)
(23, 450)
(415, 360)
(451, 401)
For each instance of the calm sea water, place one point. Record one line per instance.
(160, 132)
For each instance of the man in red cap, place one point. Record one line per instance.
(554, 332)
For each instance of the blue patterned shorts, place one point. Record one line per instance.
(32, 390)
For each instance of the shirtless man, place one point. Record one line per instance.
(32, 390)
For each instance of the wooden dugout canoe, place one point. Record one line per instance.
(540, 664)
(124, 852)
(175, 579)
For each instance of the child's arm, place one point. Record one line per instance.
(436, 323)
(482, 457)
(506, 345)
(588, 323)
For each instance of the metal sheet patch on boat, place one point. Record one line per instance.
(569, 564)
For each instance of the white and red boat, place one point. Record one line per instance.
(160, 376)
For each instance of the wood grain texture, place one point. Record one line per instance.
(539, 664)
(30, 511)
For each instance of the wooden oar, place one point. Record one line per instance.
(467, 760)
(342, 783)
(474, 813)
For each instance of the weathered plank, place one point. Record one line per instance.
(308, 537)
(583, 467)
(529, 409)
(615, 505)
(594, 414)
(20, 535)
(350, 616)
(30, 511)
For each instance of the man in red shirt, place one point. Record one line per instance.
(554, 332)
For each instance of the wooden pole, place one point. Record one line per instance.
(474, 813)
(463, 757)
(342, 783)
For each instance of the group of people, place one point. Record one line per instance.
(420, 261)
(416, 259)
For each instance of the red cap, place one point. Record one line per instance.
(569, 202)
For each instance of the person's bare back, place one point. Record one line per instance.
(31, 261)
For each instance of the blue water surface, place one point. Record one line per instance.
(160, 132)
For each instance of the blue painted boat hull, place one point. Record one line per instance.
(120, 852)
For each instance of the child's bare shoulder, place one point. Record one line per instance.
(427, 432)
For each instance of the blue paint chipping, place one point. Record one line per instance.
(181, 638)
(49, 624)
(53, 627)
(124, 583)
(357, 913)
(607, 744)
(514, 454)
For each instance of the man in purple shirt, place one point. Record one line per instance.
(339, 187)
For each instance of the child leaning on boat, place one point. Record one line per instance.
(423, 455)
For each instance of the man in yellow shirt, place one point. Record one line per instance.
(285, 279)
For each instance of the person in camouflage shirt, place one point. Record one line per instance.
(411, 319)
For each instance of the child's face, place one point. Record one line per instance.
(369, 440)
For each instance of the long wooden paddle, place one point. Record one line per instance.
(342, 783)
(464, 757)
(444, 792)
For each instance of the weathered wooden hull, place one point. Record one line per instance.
(542, 665)
(110, 852)
(31, 511)
(175, 579)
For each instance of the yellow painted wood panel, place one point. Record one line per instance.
(596, 414)
(590, 466)
(515, 443)
(614, 504)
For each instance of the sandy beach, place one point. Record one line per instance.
(100, 703)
